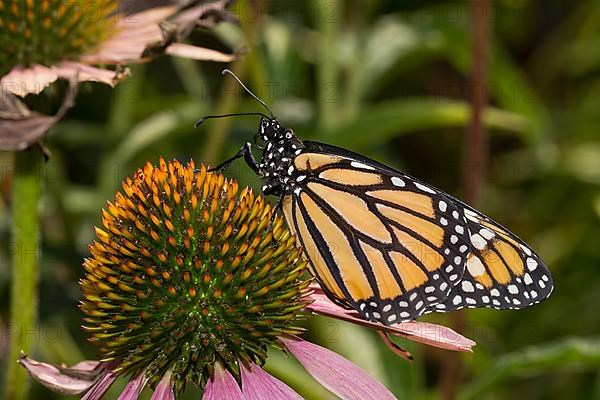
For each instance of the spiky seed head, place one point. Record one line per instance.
(186, 272)
(47, 31)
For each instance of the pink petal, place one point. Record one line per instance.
(259, 385)
(423, 332)
(20, 127)
(222, 385)
(343, 378)
(100, 387)
(60, 379)
(135, 33)
(163, 390)
(19, 134)
(193, 14)
(23, 81)
(134, 387)
(75, 71)
(198, 53)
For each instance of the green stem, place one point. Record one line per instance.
(211, 150)
(327, 70)
(25, 236)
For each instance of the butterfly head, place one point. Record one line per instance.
(269, 129)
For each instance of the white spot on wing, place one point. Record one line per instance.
(397, 181)
(357, 164)
(531, 264)
(424, 188)
(467, 287)
(478, 242)
(526, 249)
(475, 266)
(442, 205)
(486, 233)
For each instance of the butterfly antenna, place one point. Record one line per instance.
(226, 71)
(201, 120)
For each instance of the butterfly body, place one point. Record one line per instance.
(276, 164)
(386, 244)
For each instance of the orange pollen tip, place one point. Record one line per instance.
(155, 220)
(224, 248)
(228, 278)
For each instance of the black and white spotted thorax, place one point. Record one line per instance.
(276, 165)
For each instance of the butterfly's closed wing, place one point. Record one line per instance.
(501, 270)
(378, 240)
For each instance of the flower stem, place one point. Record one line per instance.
(327, 69)
(25, 236)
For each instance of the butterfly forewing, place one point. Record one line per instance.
(378, 240)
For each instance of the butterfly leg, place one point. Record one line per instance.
(246, 153)
(277, 207)
(394, 347)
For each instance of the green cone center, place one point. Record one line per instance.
(186, 273)
(45, 32)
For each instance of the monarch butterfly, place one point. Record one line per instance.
(384, 243)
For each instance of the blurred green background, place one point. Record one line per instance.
(390, 80)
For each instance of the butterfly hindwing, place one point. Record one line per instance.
(378, 240)
(501, 270)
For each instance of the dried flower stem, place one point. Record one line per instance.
(25, 236)
(476, 155)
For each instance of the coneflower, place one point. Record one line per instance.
(189, 282)
(43, 40)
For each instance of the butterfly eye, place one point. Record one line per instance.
(258, 141)
(289, 134)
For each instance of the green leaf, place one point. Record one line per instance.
(397, 117)
(564, 355)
